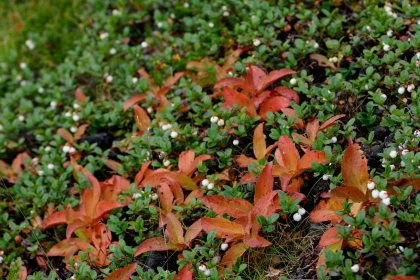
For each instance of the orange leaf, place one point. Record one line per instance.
(248, 178)
(101, 236)
(122, 273)
(401, 278)
(64, 248)
(142, 118)
(80, 96)
(352, 193)
(174, 227)
(139, 98)
(185, 273)
(272, 77)
(330, 122)
(55, 219)
(287, 155)
(254, 77)
(140, 174)
(265, 182)
(329, 237)
(223, 227)
(192, 232)
(80, 131)
(273, 104)
(23, 273)
(113, 165)
(233, 97)
(186, 182)
(66, 135)
(311, 156)
(257, 241)
(312, 129)
(229, 259)
(321, 213)
(265, 205)
(198, 193)
(170, 81)
(156, 244)
(185, 161)
(289, 93)
(104, 206)
(234, 207)
(354, 168)
(243, 160)
(259, 142)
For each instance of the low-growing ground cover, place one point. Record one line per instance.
(210, 140)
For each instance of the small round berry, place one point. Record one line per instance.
(383, 96)
(401, 90)
(236, 142)
(149, 110)
(186, 5)
(47, 148)
(134, 80)
(35, 160)
(221, 122)
(72, 150)
(205, 182)
(40, 90)
(257, 42)
(371, 185)
(66, 149)
(21, 118)
(393, 154)
(174, 134)
(405, 152)
(53, 104)
(410, 88)
(211, 24)
(154, 196)
(389, 33)
(400, 249)
(40, 173)
(109, 79)
(325, 177)
(334, 139)
(23, 65)
(386, 201)
(50, 166)
(301, 211)
(316, 45)
(293, 81)
(166, 163)
(73, 129)
(392, 167)
(210, 186)
(214, 119)
(297, 217)
(144, 44)
(202, 267)
(226, 14)
(112, 51)
(76, 118)
(383, 194)
(355, 268)
(207, 272)
(375, 193)
(402, 164)
(76, 106)
(136, 195)
(224, 246)
(386, 47)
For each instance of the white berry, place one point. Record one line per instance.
(355, 268)
(154, 196)
(297, 217)
(393, 154)
(383, 96)
(202, 267)
(207, 272)
(135, 80)
(144, 44)
(410, 88)
(40, 173)
(401, 90)
(166, 163)
(211, 24)
(109, 79)
(293, 81)
(76, 118)
(66, 149)
(21, 118)
(205, 182)
(53, 104)
(301, 211)
(72, 150)
(383, 194)
(50, 166)
(73, 129)
(386, 201)
(257, 42)
(371, 185)
(174, 134)
(221, 122)
(334, 140)
(236, 142)
(224, 246)
(389, 33)
(112, 51)
(316, 45)
(214, 119)
(325, 177)
(375, 193)
(386, 47)
(210, 186)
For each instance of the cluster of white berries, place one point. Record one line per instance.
(298, 215)
(410, 88)
(333, 59)
(389, 11)
(165, 126)
(215, 119)
(206, 183)
(68, 149)
(30, 44)
(204, 269)
(381, 194)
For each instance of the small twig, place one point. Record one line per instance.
(309, 265)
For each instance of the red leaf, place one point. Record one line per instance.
(155, 244)
(234, 207)
(65, 134)
(298, 122)
(122, 273)
(229, 259)
(185, 161)
(273, 105)
(331, 236)
(254, 77)
(80, 96)
(196, 161)
(142, 118)
(104, 206)
(354, 168)
(349, 192)
(139, 98)
(170, 81)
(233, 97)
(248, 178)
(186, 182)
(23, 273)
(185, 273)
(174, 227)
(330, 122)
(101, 236)
(80, 131)
(223, 227)
(232, 81)
(64, 248)
(259, 142)
(166, 197)
(288, 93)
(272, 77)
(265, 182)
(321, 213)
(401, 278)
(265, 206)
(312, 129)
